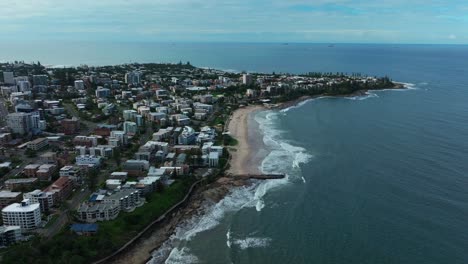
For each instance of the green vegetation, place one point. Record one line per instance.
(52, 220)
(229, 141)
(69, 248)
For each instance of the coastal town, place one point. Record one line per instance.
(91, 155)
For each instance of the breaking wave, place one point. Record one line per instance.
(181, 256)
(252, 242)
(284, 157)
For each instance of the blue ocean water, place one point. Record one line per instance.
(375, 179)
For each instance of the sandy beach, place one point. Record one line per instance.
(247, 155)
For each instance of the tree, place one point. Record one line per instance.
(116, 156)
(30, 153)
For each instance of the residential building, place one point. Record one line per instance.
(127, 199)
(90, 141)
(48, 158)
(188, 136)
(70, 126)
(88, 160)
(135, 167)
(102, 92)
(19, 122)
(23, 86)
(213, 159)
(133, 77)
(129, 115)
(40, 80)
(113, 184)
(120, 136)
(93, 212)
(24, 214)
(13, 184)
(44, 199)
(119, 175)
(72, 172)
(8, 78)
(61, 189)
(9, 197)
(45, 172)
(79, 85)
(31, 169)
(10, 235)
(247, 79)
(38, 144)
(130, 128)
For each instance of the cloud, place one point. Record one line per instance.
(452, 36)
(237, 20)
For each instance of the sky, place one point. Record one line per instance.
(319, 21)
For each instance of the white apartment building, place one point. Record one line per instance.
(79, 85)
(24, 214)
(88, 160)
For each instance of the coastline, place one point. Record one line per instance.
(295, 102)
(246, 158)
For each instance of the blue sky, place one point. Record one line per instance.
(337, 21)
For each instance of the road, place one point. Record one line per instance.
(90, 126)
(64, 213)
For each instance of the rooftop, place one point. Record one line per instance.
(19, 207)
(84, 228)
(9, 194)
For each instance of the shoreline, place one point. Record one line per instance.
(295, 102)
(246, 158)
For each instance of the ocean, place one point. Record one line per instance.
(381, 178)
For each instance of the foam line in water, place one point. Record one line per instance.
(252, 242)
(228, 238)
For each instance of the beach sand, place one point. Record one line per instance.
(247, 155)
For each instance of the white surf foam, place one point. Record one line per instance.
(238, 198)
(252, 242)
(181, 256)
(228, 238)
(283, 158)
(301, 104)
(367, 95)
